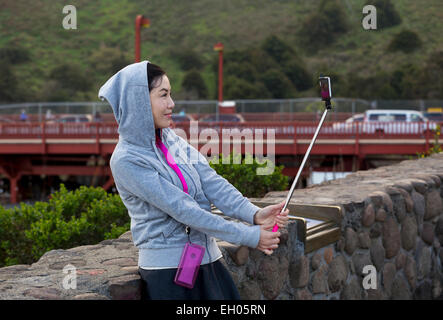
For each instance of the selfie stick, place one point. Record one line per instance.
(291, 191)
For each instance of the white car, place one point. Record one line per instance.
(396, 122)
(348, 124)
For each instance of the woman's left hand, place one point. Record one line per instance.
(270, 215)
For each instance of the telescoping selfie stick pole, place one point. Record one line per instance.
(291, 191)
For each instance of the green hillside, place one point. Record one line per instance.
(104, 42)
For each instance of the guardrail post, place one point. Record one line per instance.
(294, 146)
(43, 127)
(97, 137)
(357, 139)
(427, 136)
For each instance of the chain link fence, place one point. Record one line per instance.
(40, 110)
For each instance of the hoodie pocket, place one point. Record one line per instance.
(170, 226)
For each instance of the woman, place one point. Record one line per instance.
(167, 185)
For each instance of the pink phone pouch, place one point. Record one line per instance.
(189, 265)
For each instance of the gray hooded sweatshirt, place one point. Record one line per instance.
(152, 191)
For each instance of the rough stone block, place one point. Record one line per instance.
(408, 200)
(391, 238)
(377, 254)
(351, 239)
(338, 273)
(352, 291)
(303, 294)
(272, 274)
(239, 254)
(427, 233)
(410, 271)
(360, 260)
(299, 272)
(434, 205)
(419, 205)
(44, 293)
(381, 215)
(400, 290)
(389, 271)
(316, 260)
(420, 185)
(364, 241)
(249, 290)
(319, 280)
(409, 233)
(125, 288)
(368, 216)
(423, 291)
(90, 296)
(423, 261)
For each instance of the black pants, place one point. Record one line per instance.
(213, 283)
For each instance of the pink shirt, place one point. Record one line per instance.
(171, 162)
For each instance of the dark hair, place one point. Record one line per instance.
(154, 72)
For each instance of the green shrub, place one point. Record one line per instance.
(436, 146)
(241, 172)
(87, 215)
(406, 41)
(15, 55)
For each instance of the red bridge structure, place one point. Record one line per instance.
(64, 150)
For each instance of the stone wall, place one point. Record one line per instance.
(392, 220)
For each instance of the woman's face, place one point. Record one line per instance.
(161, 103)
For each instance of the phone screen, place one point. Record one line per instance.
(325, 87)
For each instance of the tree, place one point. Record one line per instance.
(237, 88)
(298, 75)
(431, 79)
(278, 84)
(188, 59)
(71, 77)
(242, 70)
(66, 82)
(387, 15)
(8, 82)
(324, 25)
(108, 60)
(280, 51)
(194, 81)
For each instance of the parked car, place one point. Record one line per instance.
(225, 117)
(74, 118)
(181, 118)
(348, 124)
(434, 114)
(396, 121)
(6, 120)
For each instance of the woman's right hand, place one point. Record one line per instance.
(268, 240)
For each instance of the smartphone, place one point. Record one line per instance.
(325, 87)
